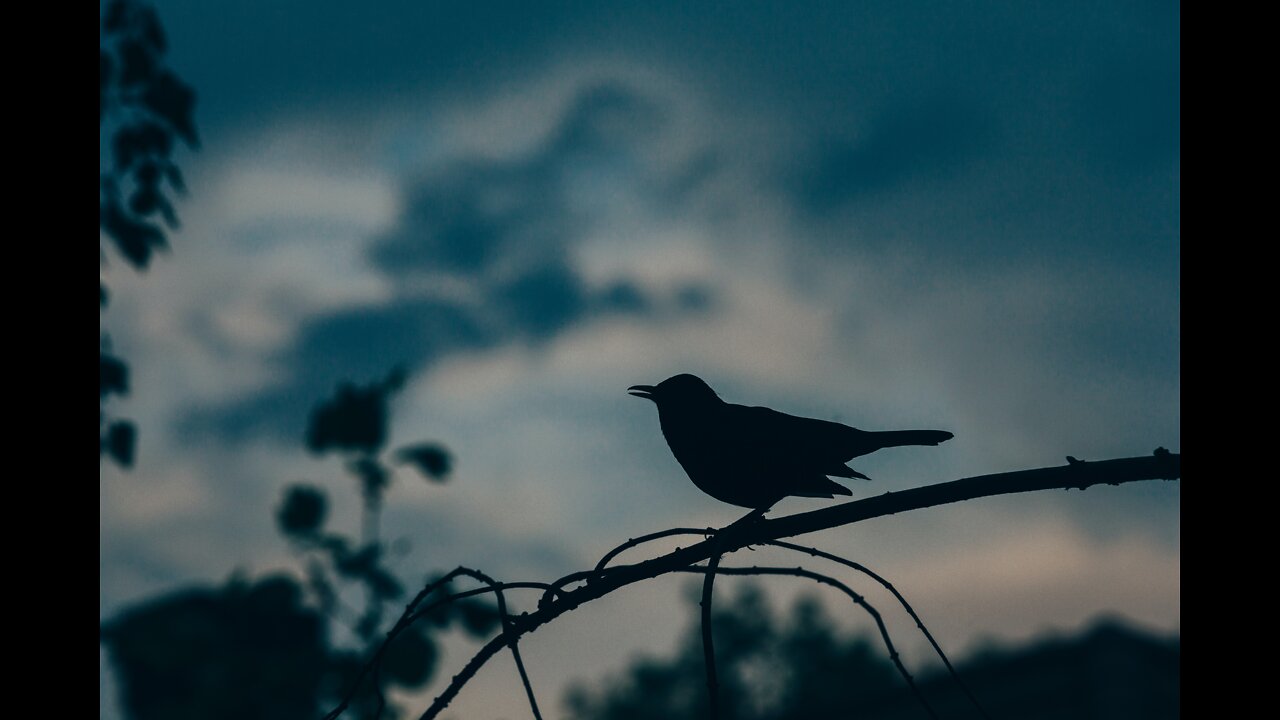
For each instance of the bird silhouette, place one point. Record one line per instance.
(754, 456)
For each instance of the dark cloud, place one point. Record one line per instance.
(479, 214)
(501, 229)
(928, 139)
(472, 216)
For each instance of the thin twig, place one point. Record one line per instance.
(474, 592)
(601, 566)
(1165, 466)
(828, 580)
(633, 542)
(511, 639)
(558, 586)
(409, 616)
(708, 647)
(901, 600)
(400, 625)
(377, 689)
(468, 671)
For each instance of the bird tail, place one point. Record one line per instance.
(897, 438)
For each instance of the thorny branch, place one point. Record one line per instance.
(412, 614)
(708, 647)
(825, 580)
(901, 600)
(634, 542)
(602, 580)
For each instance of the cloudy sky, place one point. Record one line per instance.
(961, 216)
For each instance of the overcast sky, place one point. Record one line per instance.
(962, 216)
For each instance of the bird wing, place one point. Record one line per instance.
(792, 440)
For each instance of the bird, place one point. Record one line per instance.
(753, 457)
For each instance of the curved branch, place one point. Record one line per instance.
(1162, 465)
(511, 642)
(633, 542)
(404, 622)
(708, 647)
(468, 671)
(411, 615)
(828, 580)
(901, 600)
(557, 587)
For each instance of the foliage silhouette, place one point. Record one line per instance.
(269, 648)
(353, 423)
(144, 110)
(245, 650)
(799, 669)
(795, 667)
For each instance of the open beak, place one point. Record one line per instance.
(643, 391)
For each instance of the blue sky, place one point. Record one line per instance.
(906, 214)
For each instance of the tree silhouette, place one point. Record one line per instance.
(267, 648)
(144, 111)
(800, 667)
(797, 668)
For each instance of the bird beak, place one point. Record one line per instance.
(643, 391)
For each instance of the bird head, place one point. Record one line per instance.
(682, 389)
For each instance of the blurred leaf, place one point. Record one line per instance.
(148, 28)
(320, 586)
(303, 511)
(338, 547)
(141, 141)
(383, 584)
(365, 567)
(119, 442)
(167, 212)
(175, 102)
(431, 459)
(172, 172)
(144, 201)
(441, 615)
(373, 477)
(135, 240)
(395, 379)
(113, 374)
(137, 63)
(357, 565)
(410, 659)
(113, 20)
(102, 294)
(147, 175)
(355, 419)
(478, 618)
